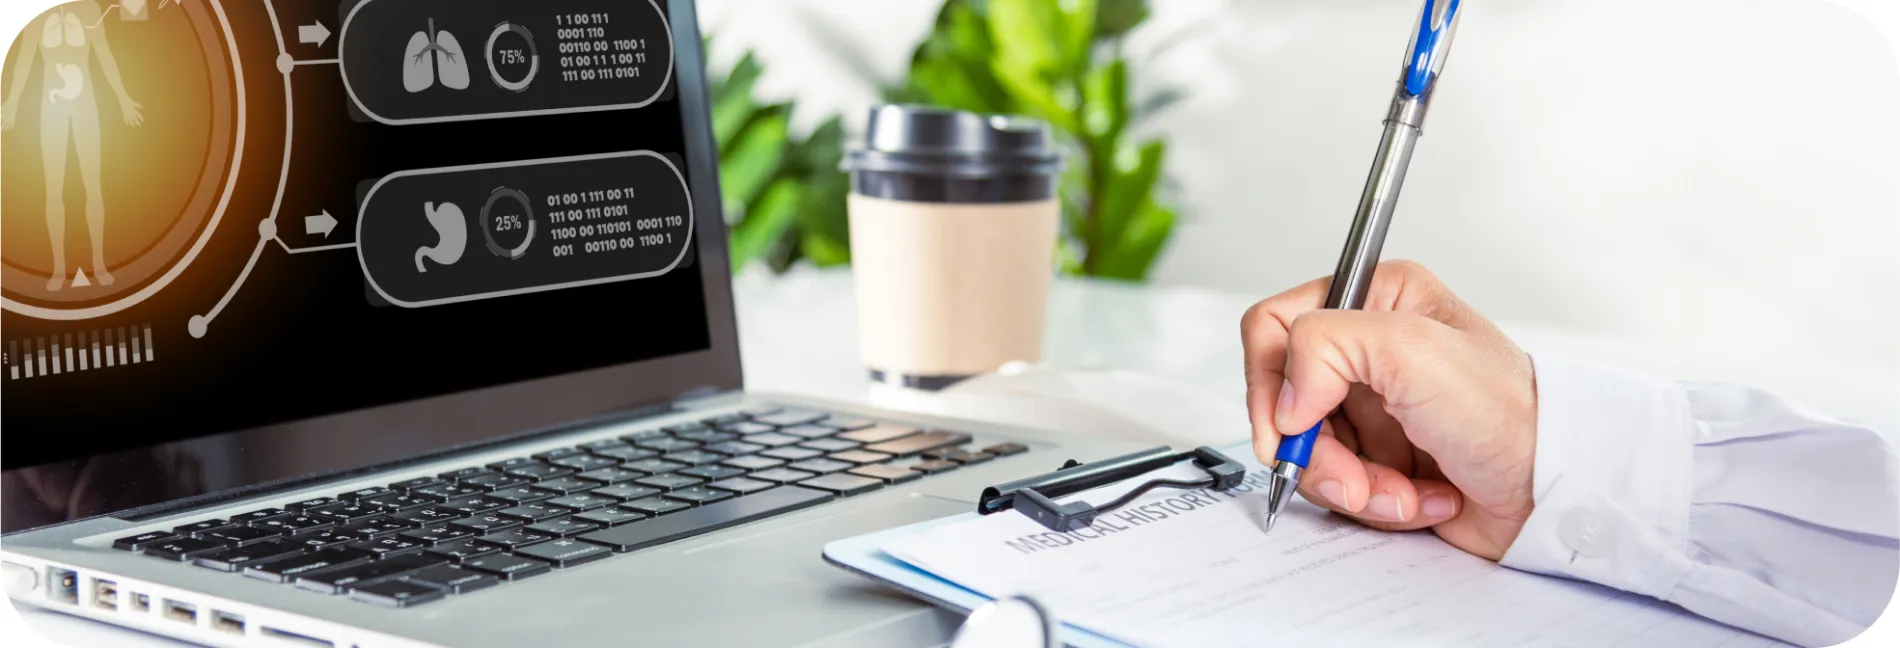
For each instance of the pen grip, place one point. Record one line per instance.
(1298, 449)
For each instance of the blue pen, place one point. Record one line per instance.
(1424, 60)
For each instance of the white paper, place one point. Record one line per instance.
(1193, 568)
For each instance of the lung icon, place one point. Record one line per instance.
(451, 231)
(434, 55)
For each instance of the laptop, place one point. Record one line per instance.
(409, 323)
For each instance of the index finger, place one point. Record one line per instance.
(1263, 337)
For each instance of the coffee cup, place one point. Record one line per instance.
(953, 218)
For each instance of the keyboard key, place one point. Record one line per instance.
(451, 579)
(460, 474)
(847, 422)
(586, 462)
(346, 512)
(878, 433)
(195, 527)
(792, 453)
(821, 466)
(566, 553)
(487, 523)
(419, 482)
(289, 568)
(183, 549)
(537, 512)
(746, 427)
(389, 547)
(772, 439)
(742, 485)
(564, 527)
(462, 550)
(582, 501)
(735, 448)
(724, 419)
(446, 491)
(362, 494)
(612, 475)
(381, 525)
(780, 475)
(859, 456)
(790, 417)
(934, 466)
(259, 516)
(476, 505)
(437, 534)
(712, 471)
(314, 502)
(540, 471)
(753, 463)
(610, 516)
(624, 492)
(669, 481)
(396, 502)
(843, 484)
(516, 462)
(653, 466)
(492, 481)
(643, 435)
(706, 435)
(809, 431)
(507, 567)
(889, 474)
(1006, 449)
(236, 558)
(694, 457)
(654, 506)
(699, 495)
(602, 444)
(916, 443)
(712, 517)
(667, 444)
(326, 539)
(557, 453)
(294, 525)
(973, 458)
(567, 485)
(627, 453)
(143, 540)
(522, 495)
(236, 536)
(397, 593)
(515, 538)
(427, 516)
(829, 445)
(341, 579)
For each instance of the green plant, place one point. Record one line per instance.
(1061, 61)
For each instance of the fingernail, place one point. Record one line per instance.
(1438, 506)
(1333, 492)
(1283, 409)
(1384, 506)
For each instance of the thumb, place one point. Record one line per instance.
(1329, 350)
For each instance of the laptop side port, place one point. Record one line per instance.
(65, 585)
(294, 638)
(180, 611)
(141, 602)
(227, 622)
(105, 594)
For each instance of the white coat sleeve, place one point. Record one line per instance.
(1725, 500)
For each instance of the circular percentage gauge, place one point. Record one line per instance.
(509, 221)
(534, 57)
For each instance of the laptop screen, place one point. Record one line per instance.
(248, 242)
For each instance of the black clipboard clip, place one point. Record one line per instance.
(1036, 496)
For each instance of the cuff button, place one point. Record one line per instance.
(1587, 533)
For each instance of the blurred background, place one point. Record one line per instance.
(1710, 179)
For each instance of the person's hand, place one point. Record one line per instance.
(9, 113)
(1439, 423)
(134, 113)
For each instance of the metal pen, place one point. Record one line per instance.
(1424, 60)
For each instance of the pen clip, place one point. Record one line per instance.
(1430, 46)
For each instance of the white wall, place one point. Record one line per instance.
(1713, 177)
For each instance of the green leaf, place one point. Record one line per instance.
(1114, 18)
(1034, 33)
(1131, 181)
(733, 105)
(1080, 17)
(1141, 242)
(753, 160)
(766, 224)
(1105, 101)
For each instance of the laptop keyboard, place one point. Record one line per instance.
(425, 539)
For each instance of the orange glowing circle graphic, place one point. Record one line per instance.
(120, 151)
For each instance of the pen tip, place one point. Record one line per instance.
(1270, 518)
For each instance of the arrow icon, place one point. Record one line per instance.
(313, 34)
(322, 223)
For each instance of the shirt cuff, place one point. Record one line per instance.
(1611, 483)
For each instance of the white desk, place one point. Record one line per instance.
(798, 334)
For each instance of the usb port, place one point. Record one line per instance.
(227, 622)
(105, 594)
(65, 585)
(178, 611)
(141, 602)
